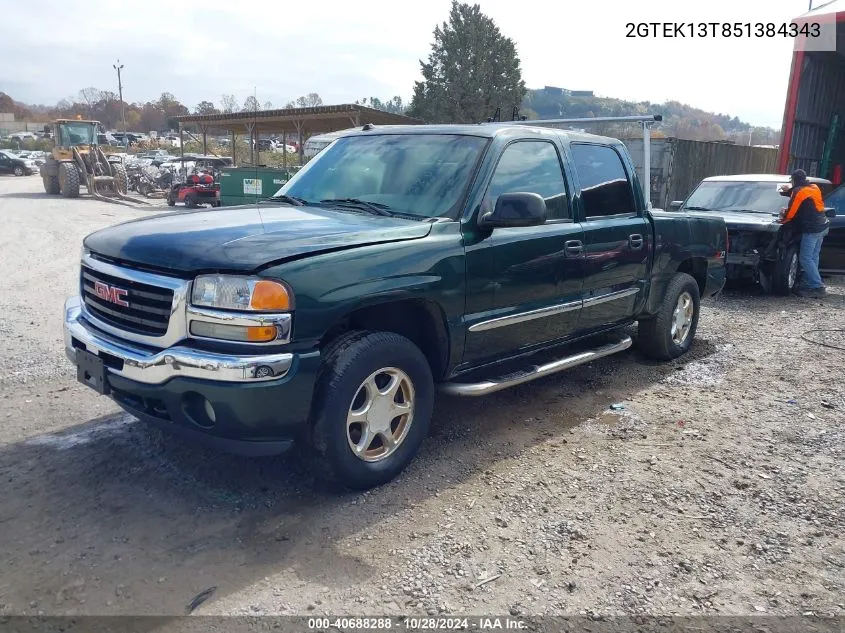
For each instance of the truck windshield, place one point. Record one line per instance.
(747, 197)
(76, 134)
(423, 175)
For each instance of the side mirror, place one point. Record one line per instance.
(514, 210)
(675, 205)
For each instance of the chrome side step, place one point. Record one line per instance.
(535, 371)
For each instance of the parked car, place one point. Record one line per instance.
(105, 138)
(762, 249)
(38, 157)
(23, 136)
(12, 164)
(265, 145)
(474, 258)
(157, 155)
(832, 258)
(172, 140)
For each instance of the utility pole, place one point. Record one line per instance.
(117, 67)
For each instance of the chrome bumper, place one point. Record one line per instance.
(155, 368)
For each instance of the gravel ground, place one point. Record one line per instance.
(711, 485)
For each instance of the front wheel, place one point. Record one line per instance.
(373, 406)
(18, 171)
(121, 182)
(785, 271)
(671, 331)
(51, 185)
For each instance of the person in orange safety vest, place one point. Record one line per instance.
(806, 212)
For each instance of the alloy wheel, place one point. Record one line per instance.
(380, 415)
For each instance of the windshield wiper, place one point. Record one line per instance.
(696, 209)
(293, 200)
(375, 208)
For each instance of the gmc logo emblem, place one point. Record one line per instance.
(111, 294)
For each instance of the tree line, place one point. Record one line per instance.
(472, 72)
(159, 114)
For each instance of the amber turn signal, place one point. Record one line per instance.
(269, 295)
(261, 333)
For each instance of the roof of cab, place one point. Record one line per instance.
(484, 130)
(760, 178)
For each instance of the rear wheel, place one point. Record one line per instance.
(190, 201)
(785, 271)
(373, 405)
(671, 331)
(69, 180)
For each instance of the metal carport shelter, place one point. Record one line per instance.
(297, 121)
(814, 116)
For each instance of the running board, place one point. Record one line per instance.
(535, 371)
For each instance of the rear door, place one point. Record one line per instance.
(5, 164)
(617, 236)
(534, 274)
(832, 256)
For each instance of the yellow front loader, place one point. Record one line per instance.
(77, 161)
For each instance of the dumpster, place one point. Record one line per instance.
(246, 185)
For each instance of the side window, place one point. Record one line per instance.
(605, 188)
(532, 166)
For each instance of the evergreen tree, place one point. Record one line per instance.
(472, 70)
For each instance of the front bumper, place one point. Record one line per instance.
(155, 368)
(252, 405)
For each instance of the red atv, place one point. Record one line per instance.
(198, 189)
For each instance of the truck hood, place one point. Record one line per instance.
(244, 238)
(739, 220)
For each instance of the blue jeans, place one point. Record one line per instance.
(808, 257)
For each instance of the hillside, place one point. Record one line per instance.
(679, 120)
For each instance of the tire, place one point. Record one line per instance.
(785, 271)
(69, 180)
(349, 364)
(51, 185)
(663, 336)
(765, 278)
(190, 201)
(18, 171)
(120, 179)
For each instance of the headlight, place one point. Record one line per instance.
(240, 293)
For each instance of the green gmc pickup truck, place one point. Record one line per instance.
(399, 261)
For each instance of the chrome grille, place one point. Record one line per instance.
(149, 309)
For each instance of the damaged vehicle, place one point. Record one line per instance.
(761, 248)
(465, 258)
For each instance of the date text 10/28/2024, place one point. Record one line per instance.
(721, 29)
(417, 624)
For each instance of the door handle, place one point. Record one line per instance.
(573, 247)
(636, 241)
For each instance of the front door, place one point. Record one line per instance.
(617, 237)
(535, 273)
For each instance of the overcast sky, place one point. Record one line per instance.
(349, 50)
